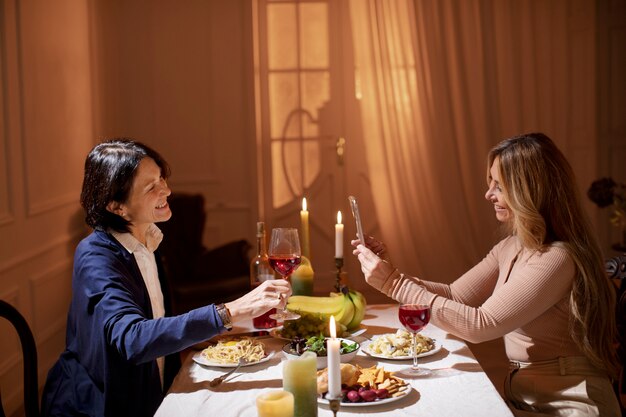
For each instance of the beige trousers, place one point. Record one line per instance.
(569, 386)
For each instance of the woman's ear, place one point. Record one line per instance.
(116, 208)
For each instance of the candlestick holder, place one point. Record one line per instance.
(334, 404)
(339, 265)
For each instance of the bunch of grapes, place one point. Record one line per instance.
(358, 393)
(308, 325)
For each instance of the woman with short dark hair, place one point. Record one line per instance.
(121, 346)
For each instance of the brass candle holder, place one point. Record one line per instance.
(334, 404)
(339, 266)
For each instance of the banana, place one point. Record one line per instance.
(321, 305)
(348, 307)
(345, 315)
(359, 309)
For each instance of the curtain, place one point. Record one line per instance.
(441, 82)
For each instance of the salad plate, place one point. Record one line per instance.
(290, 353)
(275, 333)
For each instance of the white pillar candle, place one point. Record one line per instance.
(334, 362)
(339, 237)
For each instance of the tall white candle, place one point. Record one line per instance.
(334, 362)
(339, 237)
(304, 225)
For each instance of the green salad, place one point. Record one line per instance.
(317, 344)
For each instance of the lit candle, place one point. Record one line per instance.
(300, 379)
(334, 362)
(304, 222)
(339, 237)
(276, 403)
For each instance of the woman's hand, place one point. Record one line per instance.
(375, 269)
(270, 294)
(375, 245)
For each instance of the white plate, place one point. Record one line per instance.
(199, 358)
(365, 348)
(371, 403)
(275, 333)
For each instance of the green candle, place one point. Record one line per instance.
(300, 378)
(302, 278)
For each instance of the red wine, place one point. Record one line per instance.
(414, 317)
(264, 321)
(285, 264)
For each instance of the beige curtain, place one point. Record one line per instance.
(440, 83)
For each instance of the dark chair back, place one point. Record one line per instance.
(616, 269)
(198, 276)
(29, 352)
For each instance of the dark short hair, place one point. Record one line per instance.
(110, 169)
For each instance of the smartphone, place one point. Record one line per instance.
(357, 218)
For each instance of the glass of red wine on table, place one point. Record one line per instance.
(284, 256)
(414, 317)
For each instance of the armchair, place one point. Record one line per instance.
(198, 276)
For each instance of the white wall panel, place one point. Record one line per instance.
(5, 207)
(51, 299)
(46, 129)
(11, 358)
(182, 84)
(9, 343)
(55, 95)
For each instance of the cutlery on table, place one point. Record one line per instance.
(216, 381)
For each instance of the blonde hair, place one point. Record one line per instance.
(540, 189)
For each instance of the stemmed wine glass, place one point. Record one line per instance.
(284, 256)
(414, 317)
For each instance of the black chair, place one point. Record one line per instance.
(29, 352)
(616, 269)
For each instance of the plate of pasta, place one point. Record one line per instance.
(397, 346)
(227, 352)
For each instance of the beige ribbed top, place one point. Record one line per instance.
(520, 294)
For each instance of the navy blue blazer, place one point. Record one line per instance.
(109, 366)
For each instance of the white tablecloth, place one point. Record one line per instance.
(460, 389)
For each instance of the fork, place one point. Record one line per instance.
(216, 381)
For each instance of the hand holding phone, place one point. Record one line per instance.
(357, 218)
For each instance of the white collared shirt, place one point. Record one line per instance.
(144, 255)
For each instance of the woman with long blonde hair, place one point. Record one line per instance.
(542, 288)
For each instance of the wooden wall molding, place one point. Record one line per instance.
(51, 204)
(6, 215)
(11, 296)
(61, 273)
(188, 180)
(34, 253)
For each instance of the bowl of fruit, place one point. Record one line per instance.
(347, 349)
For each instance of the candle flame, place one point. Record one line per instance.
(333, 328)
(338, 217)
(304, 204)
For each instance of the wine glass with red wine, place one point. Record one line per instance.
(284, 257)
(414, 317)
